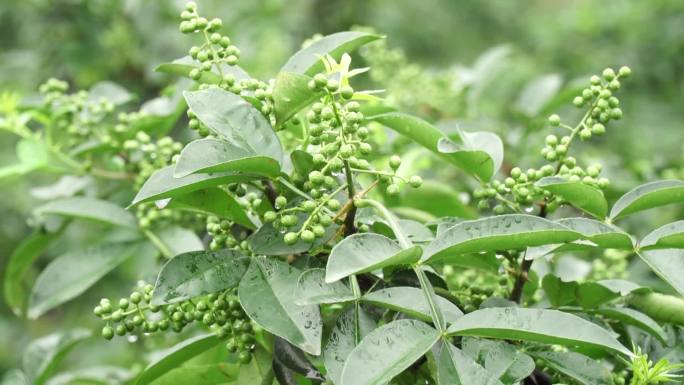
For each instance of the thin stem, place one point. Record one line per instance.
(158, 244)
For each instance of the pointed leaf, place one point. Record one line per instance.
(217, 155)
(387, 351)
(411, 301)
(313, 290)
(604, 235)
(366, 252)
(175, 356)
(183, 66)
(538, 325)
(503, 232)
(42, 356)
(647, 196)
(669, 236)
(587, 371)
(89, 208)
(294, 359)
(350, 328)
(291, 94)
(162, 184)
(308, 60)
(558, 292)
(636, 318)
(72, 273)
(480, 153)
(581, 195)
(592, 294)
(213, 201)
(267, 294)
(668, 264)
(199, 273)
(233, 118)
(454, 367)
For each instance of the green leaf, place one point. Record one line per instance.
(269, 241)
(411, 301)
(313, 290)
(291, 94)
(647, 196)
(537, 325)
(350, 328)
(669, 236)
(294, 359)
(42, 356)
(183, 66)
(636, 318)
(436, 198)
(15, 377)
(592, 294)
(177, 240)
(266, 293)
(89, 208)
(604, 235)
(366, 252)
(387, 351)
(308, 60)
(213, 201)
(162, 184)
(110, 91)
(587, 371)
(558, 292)
(537, 94)
(72, 273)
(18, 265)
(212, 374)
(302, 162)
(176, 355)
(668, 264)
(217, 155)
(236, 120)
(478, 153)
(503, 232)
(454, 367)
(199, 273)
(581, 195)
(500, 358)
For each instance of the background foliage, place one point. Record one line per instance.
(465, 61)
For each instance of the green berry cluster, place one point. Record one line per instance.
(612, 264)
(471, 288)
(220, 312)
(221, 231)
(519, 188)
(146, 156)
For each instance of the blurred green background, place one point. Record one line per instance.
(469, 61)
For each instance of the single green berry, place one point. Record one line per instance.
(415, 181)
(624, 71)
(308, 236)
(554, 120)
(392, 190)
(291, 238)
(395, 162)
(107, 332)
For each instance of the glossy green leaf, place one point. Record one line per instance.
(366, 252)
(302, 162)
(558, 292)
(591, 294)
(308, 60)
(350, 328)
(269, 241)
(313, 290)
(291, 94)
(503, 232)
(19, 264)
(583, 196)
(267, 293)
(175, 240)
(669, 236)
(217, 155)
(454, 367)
(89, 208)
(668, 264)
(74, 272)
(537, 325)
(478, 153)
(587, 371)
(500, 358)
(635, 318)
(436, 198)
(231, 117)
(99, 374)
(199, 273)
(176, 355)
(387, 351)
(213, 201)
(604, 235)
(162, 184)
(42, 355)
(183, 66)
(411, 301)
(647, 196)
(295, 360)
(211, 374)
